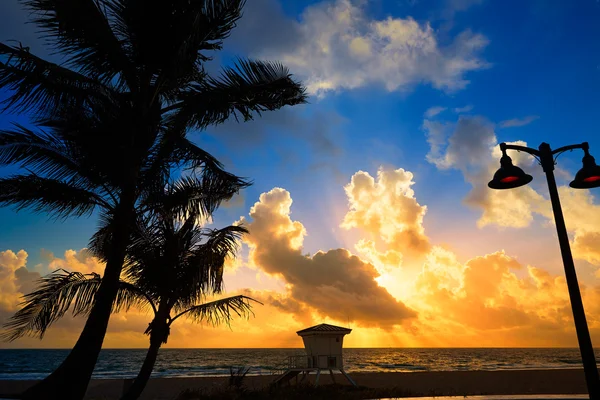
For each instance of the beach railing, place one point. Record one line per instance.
(320, 361)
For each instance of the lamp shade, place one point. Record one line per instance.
(509, 176)
(589, 176)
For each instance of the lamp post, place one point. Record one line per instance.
(510, 176)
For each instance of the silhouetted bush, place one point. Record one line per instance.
(237, 375)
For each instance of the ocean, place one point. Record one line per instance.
(125, 363)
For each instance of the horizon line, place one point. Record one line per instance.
(300, 348)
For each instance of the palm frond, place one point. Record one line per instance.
(198, 195)
(55, 295)
(50, 302)
(249, 87)
(41, 153)
(220, 17)
(43, 87)
(57, 198)
(220, 311)
(80, 30)
(101, 241)
(92, 136)
(170, 37)
(204, 266)
(221, 241)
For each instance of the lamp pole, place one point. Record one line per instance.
(546, 158)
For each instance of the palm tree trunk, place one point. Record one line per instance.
(138, 385)
(70, 380)
(158, 335)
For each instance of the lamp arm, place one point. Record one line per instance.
(529, 150)
(583, 146)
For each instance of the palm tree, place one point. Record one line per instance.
(58, 290)
(170, 268)
(114, 116)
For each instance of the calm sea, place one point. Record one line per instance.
(36, 364)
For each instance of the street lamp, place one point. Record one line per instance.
(510, 176)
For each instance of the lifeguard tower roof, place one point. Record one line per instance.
(324, 329)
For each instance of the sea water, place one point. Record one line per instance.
(125, 363)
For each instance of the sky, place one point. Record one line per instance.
(370, 206)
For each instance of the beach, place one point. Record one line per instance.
(568, 381)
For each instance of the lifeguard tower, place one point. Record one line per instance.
(323, 347)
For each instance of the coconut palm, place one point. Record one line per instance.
(58, 290)
(114, 116)
(170, 268)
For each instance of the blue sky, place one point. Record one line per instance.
(424, 86)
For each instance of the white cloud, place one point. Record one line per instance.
(342, 48)
(470, 146)
(467, 147)
(516, 122)
(433, 111)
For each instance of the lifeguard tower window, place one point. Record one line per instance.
(331, 362)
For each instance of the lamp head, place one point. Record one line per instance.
(589, 176)
(509, 176)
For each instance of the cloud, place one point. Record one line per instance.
(387, 211)
(433, 111)
(516, 122)
(484, 299)
(582, 216)
(264, 24)
(465, 109)
(491, 299)
(335, 284)
(76, 261)
(304, 137)
(236, 201)
(336, 45)
(470, 146)
(467, 147)
(437, 137)
(15, 279)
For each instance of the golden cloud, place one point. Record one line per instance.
(335, 284)
(388, 213)
(15, 279)
(76, 261)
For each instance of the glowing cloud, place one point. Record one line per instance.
(335, 284)
(15, 279)
(76, 261)
(387, 211)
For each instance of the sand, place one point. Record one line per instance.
(419, 383)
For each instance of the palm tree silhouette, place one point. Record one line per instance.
(172, 266)
(112, 119)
